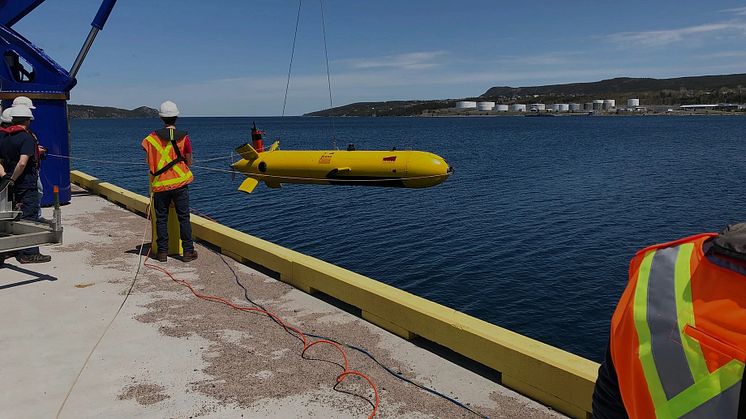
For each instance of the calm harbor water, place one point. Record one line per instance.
(533, 232)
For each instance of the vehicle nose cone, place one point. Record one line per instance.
(426, 169)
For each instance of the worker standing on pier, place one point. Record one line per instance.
(19, 155)
(41, 151)
(169, 155)
(678, 336)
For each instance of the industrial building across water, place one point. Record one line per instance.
(598, 105)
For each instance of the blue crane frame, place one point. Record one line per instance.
(25, 70)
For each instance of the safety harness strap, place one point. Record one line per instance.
(179, 158)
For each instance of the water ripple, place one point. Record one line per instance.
(534, 231)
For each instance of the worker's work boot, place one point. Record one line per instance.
(37, 258)
(189, 256)
(161, 256)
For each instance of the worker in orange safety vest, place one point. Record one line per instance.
(678, 335)
(169, 155)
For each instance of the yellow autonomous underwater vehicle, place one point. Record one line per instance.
(404, 169)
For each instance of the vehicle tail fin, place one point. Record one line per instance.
(247, 152)
(248, 185)
(274, 184)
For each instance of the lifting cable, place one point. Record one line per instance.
(292, 54)
(328, 78)
(60, 156)
(326, 60)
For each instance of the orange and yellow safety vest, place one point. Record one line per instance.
(678, 337)
(168, 169)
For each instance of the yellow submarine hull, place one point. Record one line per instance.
(406, 169)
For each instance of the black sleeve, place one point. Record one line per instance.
(607, 399)
(28, 146)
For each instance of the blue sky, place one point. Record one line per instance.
(230, 57)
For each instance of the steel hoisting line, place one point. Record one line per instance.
(292, 54)
(326, 60)
(328, 77)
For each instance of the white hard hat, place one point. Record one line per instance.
(7, 116)
(20, 111)
(23, 100)
(168, 110)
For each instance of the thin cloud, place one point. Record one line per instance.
(738, 11)
(659, 38)
(408, 61)
(541, 59)
(722, 55)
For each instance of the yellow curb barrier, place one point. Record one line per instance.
(554, 377)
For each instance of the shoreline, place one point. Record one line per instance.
(529, 114)
(575, 114)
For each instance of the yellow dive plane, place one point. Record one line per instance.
(405, 169)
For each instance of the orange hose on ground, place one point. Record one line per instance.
(290, 329)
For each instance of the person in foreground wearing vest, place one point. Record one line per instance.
(19, 156)
(678, 335)
(169, 155)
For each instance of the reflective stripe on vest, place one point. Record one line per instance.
(678, 380)
(165, 157)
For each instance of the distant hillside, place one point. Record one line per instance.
(100, 112)
(623, 85)
(390, 108)
(676, 91)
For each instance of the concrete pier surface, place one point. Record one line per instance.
(169, 354)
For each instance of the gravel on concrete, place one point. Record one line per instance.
(169, 354)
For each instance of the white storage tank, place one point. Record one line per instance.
(485, 106)
(518, 107)
(576, 107)
(466, 104)
(562, 107)
(633, 103)
(598, 105)
(588, 106)
(554, 107)
(537, 107)
(501, 108)
(609, 104)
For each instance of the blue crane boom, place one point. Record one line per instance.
(98, 24)
(26, 70)
(11, 11)
(103, 14)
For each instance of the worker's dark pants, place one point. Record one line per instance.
(607, 398)
(27, 201)
(161, 202)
